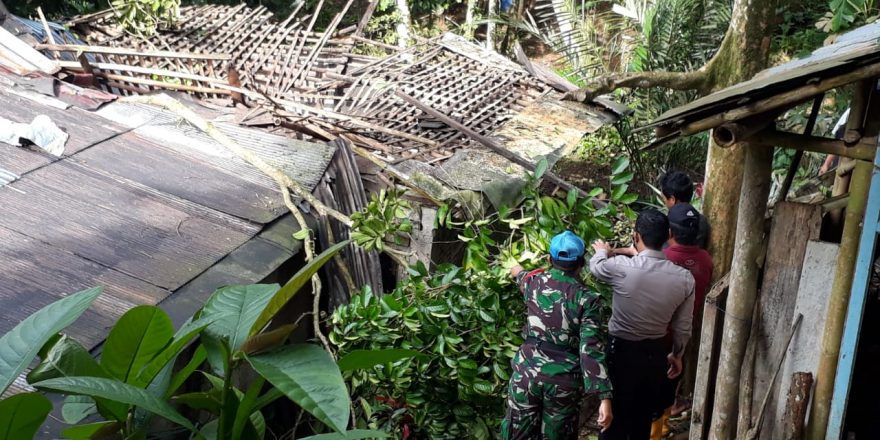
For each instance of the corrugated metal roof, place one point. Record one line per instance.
(854, 49)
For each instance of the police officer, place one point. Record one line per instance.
(561, 357)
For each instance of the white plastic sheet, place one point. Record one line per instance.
(42, 132)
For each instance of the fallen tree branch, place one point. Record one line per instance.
(694, 80)
(285, 184)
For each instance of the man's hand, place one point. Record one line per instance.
(628, 251)
(515, 270)
(674, 365)
(600, 245)
(605, 415)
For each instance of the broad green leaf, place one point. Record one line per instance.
(68, 358)
(272, 395)
(19, 347)
(184, 335)
(217, 353)
(308, 376)
(292, 287)
(117, 391)
(618, 179)
(361, 359)
(208, 401)
(77, 408)
(541, 167)
(267, 340)
(22, 414)
(139, 335)
(233, 311)
(618, 191)
(357, 434)
(181, 376)
(90, 431)
(65, 358)
(620, 164)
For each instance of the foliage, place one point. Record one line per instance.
(145, 16)
(385, 218)
(845, 13)
(133, 380)
(468, 318)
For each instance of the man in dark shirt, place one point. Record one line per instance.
(682, 250)
(677, 187)
(562, 356)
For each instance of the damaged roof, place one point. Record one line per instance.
(318, 84)
(850, 52)
(141, 205)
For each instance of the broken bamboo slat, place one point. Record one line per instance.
(489, 143)
(73, 65)
(119, 51)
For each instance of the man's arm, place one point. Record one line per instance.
(592, 355)
(601, 266)
(682, 322)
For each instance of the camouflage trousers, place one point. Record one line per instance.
(540, 406)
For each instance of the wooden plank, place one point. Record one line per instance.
(21, 160)
(137, 230)
(707, 361)
(786, 246)
(35, 274)
(198, 181)
(21, 54)
(813, 294)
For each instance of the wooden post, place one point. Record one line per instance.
(707, 360)
(743, 288)
(796, 406)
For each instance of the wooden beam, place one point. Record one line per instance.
(121, 51)
(707, 361)
(799, 154)
(796, 405)
(864, 150)
(487, 142)
(783, 100)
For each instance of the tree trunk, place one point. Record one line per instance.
(743, 53)
(469, 19)
(403, 26)
(490, 25)
(743, 289)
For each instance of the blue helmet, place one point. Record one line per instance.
(566, 247)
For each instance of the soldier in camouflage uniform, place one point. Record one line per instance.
(562, 357)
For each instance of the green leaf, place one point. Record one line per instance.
(620, 164)
(268, 340)
(234, 309)
(362, 359)
(207, 401)
(629, 198)
(77, 408)
(181, 376)
(91, 430)
(65, 358)
(302, 234)
(22, 414)
(618, 179)
(292, 287)
(541, 167)
(139, 335)
(308, 376)
(618, 191)
(357, 434)
(116, 391)
(181, 339)
(19, 347)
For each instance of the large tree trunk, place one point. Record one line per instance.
(743, 53)
(736, 244)
(403, 26)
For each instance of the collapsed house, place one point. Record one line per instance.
(339, 114)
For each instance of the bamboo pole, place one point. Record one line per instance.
(743, 293)
(837, 304)
(121, 51)
(864, 150)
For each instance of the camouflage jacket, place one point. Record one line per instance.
(563, 312)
